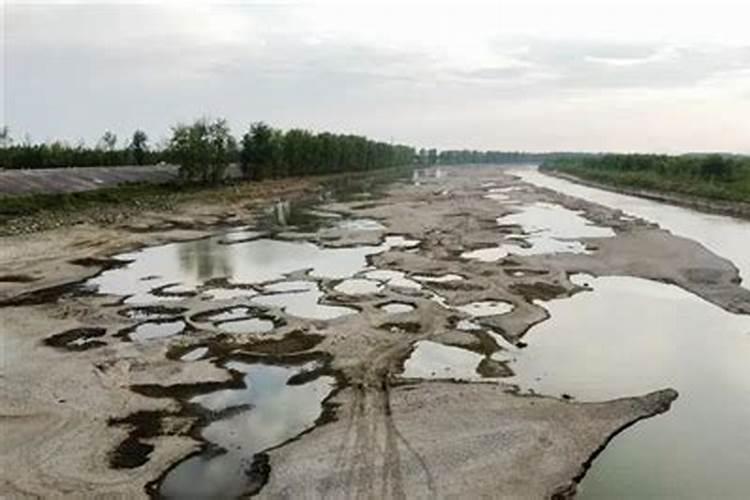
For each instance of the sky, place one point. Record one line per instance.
(535, 75)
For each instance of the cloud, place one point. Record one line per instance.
(431, 74)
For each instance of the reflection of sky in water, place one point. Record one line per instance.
(726, 236)
(485, 308)
(547, 229)
(301, 301)
(433, 360)
(194, 354)
(156, 330)
(229, 293)
(396, 279)
(438, 279)
(397, 307)
(631, 336)
(250, 325)
(358, 287)
(555, 221)
(278, 412)
(192, 263)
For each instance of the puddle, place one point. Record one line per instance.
(249, 325)
(300, 299)
(239, 312)
(156, 330)
(358, 287)
(631, 336)
(431, 360)
(547, 229)
(269, 412)
(555, 221)
(229, 293)
(444, 278)
(485, 308)
(240, 319)
(396, 307)
(467, 325)
(194, 354)
(395, 279)
(192, 263)
(77, 339)
(400, 242)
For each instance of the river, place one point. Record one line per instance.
(630, 336)
(725, 236)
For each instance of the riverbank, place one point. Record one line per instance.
(31, 213)
(709, 205)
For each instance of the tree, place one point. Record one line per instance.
(138, 146)
(5, 139)
(716, 167)
(259, 151)
(202, 150)
(108, 141)
(432, 157)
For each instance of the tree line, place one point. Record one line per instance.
(58, 154)
(467, 156)
(710, 167)
(205, 148)
(708, 175)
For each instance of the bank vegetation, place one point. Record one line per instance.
(713, 177)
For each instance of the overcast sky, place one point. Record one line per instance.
(539, 75)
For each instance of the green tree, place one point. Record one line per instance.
(108, 141)
(202, 150)
(139, 146)
(259, 151)
(432, 157)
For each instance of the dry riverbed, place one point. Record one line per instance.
(290, 351)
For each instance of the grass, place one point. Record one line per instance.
(16, 206)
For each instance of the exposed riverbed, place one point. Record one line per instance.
(436, 337)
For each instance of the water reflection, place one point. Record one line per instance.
(725, 236)
(547, 228)
(431, 360)
(204, 259)
(274, 412)
(632, 336)
(485, 308)
(358, 286)
(301, 299)
(151, 330)
(192, 263)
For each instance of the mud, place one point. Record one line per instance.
(126, 419)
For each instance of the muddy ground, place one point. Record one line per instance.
(88, 411)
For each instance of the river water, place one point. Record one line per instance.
(728, 237)
(629, 336)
